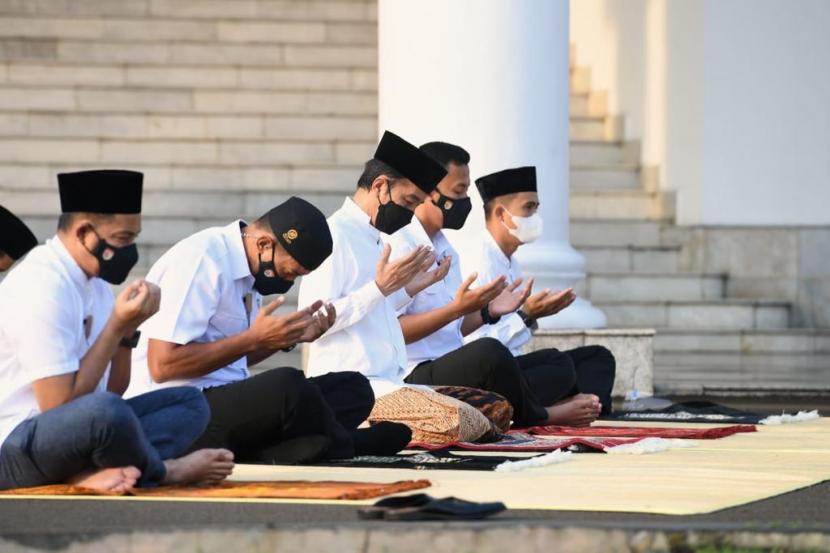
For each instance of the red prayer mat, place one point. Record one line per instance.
(519, 441)
(635, 432)
(288, 489)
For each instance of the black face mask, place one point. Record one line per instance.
(266, 280)
(114, 263)
(391, 217)
(456, 214)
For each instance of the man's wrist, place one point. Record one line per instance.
(530, 322)
(487, 318)
(131, 341)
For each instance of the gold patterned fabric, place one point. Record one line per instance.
(433, 418)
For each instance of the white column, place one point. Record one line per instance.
(491, 76)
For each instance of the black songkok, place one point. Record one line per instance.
(106, 191)
(508, 181)
(15, 237)
(302, 230)
(409, 161)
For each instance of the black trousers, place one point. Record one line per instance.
(554, 375)
(488, 365)
(280, 416)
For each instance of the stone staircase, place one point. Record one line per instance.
(230, 107)
(641, 274)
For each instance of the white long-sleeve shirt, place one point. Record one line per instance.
(490, 262)
(366, 336)
(449, 337)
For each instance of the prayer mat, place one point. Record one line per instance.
(637, 432)
(690, 411)
(290, 489)
(518, 441)
(432, 460)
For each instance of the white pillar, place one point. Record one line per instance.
(491, 76)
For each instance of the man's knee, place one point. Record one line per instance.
(358, 386)
(193, 400)
(491, 350)
(106, 411)
(602, 358)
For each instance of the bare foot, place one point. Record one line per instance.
(116, 480)
(579, 410)
(204, 467)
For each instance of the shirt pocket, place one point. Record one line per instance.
(229, 324)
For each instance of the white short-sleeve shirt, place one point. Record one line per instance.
(449, 337)
(490, 263)
(204, 281)
(51, 315)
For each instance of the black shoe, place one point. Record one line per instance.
(383, 438)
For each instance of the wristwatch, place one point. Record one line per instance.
(130, 341)
(528, 320)
(487, 318)
(289, 348)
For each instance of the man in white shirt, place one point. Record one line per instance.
(366, 288)
(16, 240)
(211, 328)
(65, 357)
(577, 382)
(435, 323)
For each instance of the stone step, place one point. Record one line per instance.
(724, 314)
(257, 10)
(618, 233)
(631, 259)
(591, 104)
(183, 152)
(625, 176)
(580, 80)
(181, 205)
(161, 78)
(209, 53)
(608, 128)
(679, 287)
(217, 31)
(750, 342)
(25, 126)
(699, 373)
(16, 181)
(603, 154)
(186, 101)
(620, 204)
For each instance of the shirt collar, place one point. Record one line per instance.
(352, 212)
(496, 252)
(439, 243)
(68, 262)
(238, 259)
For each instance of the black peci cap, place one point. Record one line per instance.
(508, 181)
(15, 237)
(409, 161)
(101, 191)
(302, 230)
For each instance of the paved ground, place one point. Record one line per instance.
(802, 510)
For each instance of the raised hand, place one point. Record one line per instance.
(135, 304)
(546, 302)
(469, 300)
(511, 298)
(425, 278)
(274, 332)
(321, 321)
(391, 277)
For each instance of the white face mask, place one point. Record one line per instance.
(527, 229)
